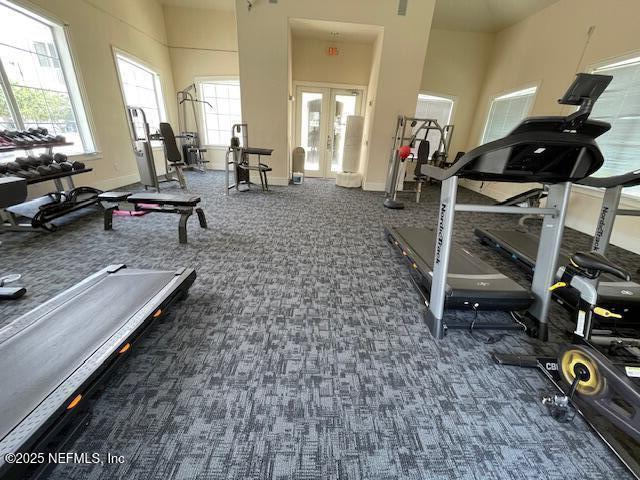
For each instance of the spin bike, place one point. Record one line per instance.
(598, 374)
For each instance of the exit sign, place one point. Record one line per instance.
(332, 51)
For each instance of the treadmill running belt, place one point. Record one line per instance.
(469, 281)
(613, 293)
(60, 350)
(52, 348)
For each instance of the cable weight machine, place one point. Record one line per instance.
(410, 130)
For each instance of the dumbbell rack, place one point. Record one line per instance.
(9, 217)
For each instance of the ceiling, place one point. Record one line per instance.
(334, 31)
(483, 15)
(228, 5)
(468, 15)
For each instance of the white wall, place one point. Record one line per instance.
(95, 27)
(456, 65)
(202, 43)
(311, 63)
(264, 72)
(548, 48)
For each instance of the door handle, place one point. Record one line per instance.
(329, 141)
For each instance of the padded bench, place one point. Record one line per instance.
(155, 202)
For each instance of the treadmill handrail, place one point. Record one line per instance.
(629, 179)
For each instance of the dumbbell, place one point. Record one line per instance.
(47, 160)
(62, 160)
(25, 163)
(16, 138)
(3, 169)
(45, 170)
(15, 169)
(78, 165)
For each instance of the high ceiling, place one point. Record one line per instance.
(484, 15)
(228, 5)
(469, 15)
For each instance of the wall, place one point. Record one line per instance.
(135, 26)
(548, 48)
(202, 42)
(455, 65)
(264, 73)
(311, 63)
(369, 113)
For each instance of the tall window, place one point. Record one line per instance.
(224, 97)
(38, 84)
(620, 106)
(506, 112)
(141, 88)
(438, 108)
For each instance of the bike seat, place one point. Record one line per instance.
(594, 264)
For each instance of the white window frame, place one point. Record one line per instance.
(627, 200)
(159, 91)
(452, 98)
(505, 94)
(199, 81)
(72, 77)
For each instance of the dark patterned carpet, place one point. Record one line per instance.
(301, 352)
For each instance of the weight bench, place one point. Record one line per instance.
(155, 202)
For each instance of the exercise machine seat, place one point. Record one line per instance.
(594, 264)
(171, 147)
(422, 158)
(164, 199)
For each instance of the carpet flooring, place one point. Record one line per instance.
(301, 352)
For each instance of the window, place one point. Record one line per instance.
(506, 112)
(438, 108)
(619, 105)
(141, 88)
(39, 87)
(224, 97)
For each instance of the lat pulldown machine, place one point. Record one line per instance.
(410, 130)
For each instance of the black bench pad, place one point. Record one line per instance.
(165, 199)
(113, 196)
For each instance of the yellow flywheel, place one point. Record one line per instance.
(568, 361)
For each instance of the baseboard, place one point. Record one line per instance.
(374, 187)
(278, 181)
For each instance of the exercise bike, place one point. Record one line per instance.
(598, 374)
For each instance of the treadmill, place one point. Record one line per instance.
(555, 151)
(471, 283)
(53, 357)
(618, 296)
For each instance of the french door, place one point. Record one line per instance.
(321, 121)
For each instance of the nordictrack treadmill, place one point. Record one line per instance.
(616, 295)
(53, 357)
(471, 283)
(554, 151)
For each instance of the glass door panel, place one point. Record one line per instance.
(321, 121)
(343, 105)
